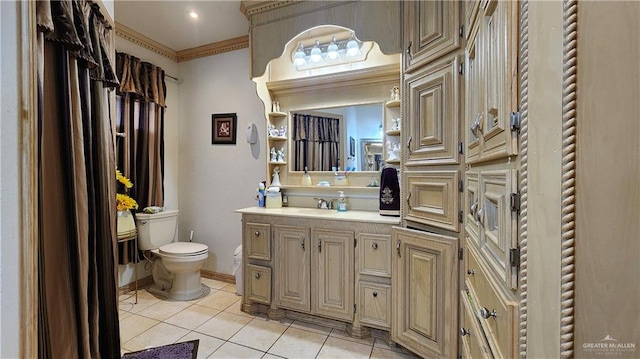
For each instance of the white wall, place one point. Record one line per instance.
(10, 205)
(171, 138)
(215, 180)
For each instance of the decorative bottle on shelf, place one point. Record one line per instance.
(306, 178)
(342, 202)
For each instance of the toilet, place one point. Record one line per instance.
(176, 265)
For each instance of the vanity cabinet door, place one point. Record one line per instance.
(425, 293)
(474, 98)
(259, 284)
(432, 111)
(333, 273)
(259, 243)
(432, 29)
(292, 266)
(375, 254)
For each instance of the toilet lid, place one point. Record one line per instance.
(184, 248)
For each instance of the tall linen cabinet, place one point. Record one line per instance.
(455, 269)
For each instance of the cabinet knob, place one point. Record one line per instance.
(257, 275)
(257, 234)
(486, 314)
(375, 294)
(471, 272)
(143, 222)
(473, 208)
(374, 246)
(464, 331)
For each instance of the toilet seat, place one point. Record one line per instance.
(184, 249)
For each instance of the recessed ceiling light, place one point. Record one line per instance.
(192, 14)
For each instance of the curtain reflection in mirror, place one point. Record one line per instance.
(316, 142)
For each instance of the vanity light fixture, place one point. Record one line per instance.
(334, 52)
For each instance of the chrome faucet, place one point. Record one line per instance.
(324, 204)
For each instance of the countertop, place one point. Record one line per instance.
(328, 214)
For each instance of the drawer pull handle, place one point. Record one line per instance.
(398, 248)
(479, 216)
(320, 246)
(486, 314)
(409, 144)
(464, 331)
(375, 294)
(257, 234)
(257, 275)
(409, 200)
(374, 246)
(471, 272)
(143, 222)
(473, 208)
(302, 243)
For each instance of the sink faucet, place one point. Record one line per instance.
(324, 204)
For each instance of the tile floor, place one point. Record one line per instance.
(226, 332)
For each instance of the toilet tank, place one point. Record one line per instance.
(156, 230)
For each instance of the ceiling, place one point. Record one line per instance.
(169, 23)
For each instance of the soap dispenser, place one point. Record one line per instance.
(342, 202)
(306, 178)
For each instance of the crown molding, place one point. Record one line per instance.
(249, 8)
(182, 55)
(146, 42)
(214, 48)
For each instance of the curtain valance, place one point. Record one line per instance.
(141, 78)
(85, 33)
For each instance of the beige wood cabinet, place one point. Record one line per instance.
(491, 82)
(432, 107)
(425, 292)
(431, 29)
(318, 266)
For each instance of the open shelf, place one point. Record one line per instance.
(393, 133)
(394, 103)
(277, 114)
(278, 138)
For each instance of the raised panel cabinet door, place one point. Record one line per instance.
(499, 52)
(292, 266)
(375, 305)
(375, 254)
(333, 273)
(471, 206)
(432, 30)
(259, 243)
(425, 293)
(470, 15)
(433, 198)
(474, 97)
(259, 284)
(432, 107)
(498, 223)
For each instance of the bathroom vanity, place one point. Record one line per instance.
(318, 265)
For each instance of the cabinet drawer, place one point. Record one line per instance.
(258, 283)
(259, 241)
(497, 313)
(473, 343)
(375, 305)
(433, 198)
(375, 254)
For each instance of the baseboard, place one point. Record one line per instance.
(142, 282)
(223, 277)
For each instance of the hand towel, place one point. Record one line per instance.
(389, 192)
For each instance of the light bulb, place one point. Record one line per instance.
(353, 50)
(316, 53)
(332, 50)
(299, 57)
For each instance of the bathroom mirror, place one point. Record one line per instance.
(357, 124)
(354, 89)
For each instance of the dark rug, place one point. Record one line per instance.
(184, 350)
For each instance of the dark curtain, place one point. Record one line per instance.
(316, 142)
(140, 104)
(78, 309)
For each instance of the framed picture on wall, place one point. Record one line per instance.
(223, 128)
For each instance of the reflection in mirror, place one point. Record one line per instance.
(322, 138)
(371, 154)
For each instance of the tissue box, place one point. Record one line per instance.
(274, 200)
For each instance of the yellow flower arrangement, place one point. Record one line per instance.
(124, 202)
